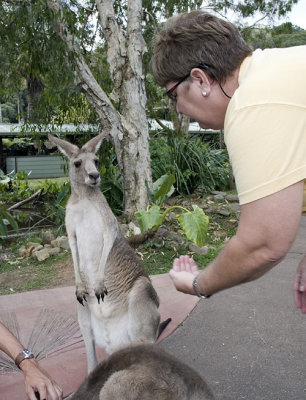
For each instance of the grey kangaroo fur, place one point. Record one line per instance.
(106, 267)
(143, 372)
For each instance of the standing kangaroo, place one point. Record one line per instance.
(143, 372)
(106, 267)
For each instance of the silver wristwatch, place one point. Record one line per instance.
(197, 291)
(23, 355)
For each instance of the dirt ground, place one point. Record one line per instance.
(63, 276)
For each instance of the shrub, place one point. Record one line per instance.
(192, 162)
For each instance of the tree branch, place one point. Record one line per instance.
(116, 43)
(28, 200)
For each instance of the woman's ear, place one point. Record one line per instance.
(200, 78)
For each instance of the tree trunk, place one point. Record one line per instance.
(180, 122)
(35, 88)
(128, 129)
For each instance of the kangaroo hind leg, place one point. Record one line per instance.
(87, 333)
(144, 317)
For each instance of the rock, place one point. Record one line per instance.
(198, 250)
(42, 255)
(47, 237)
(214, 192)
(31, 246)
(22, 251)
(124, 229)
(135, 229)
(162, 232)
(37, 248)
(53, 250)
(232, 198)
(61, 242)
(219, 198)
(234, 206)
(224, 213)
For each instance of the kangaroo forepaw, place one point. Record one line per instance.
(100, 293)
(81, 296)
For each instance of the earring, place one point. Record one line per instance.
(204, 94)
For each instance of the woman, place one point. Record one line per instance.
(259, 99)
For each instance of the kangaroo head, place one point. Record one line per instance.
(83, 162)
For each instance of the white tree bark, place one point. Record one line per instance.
(129, 129)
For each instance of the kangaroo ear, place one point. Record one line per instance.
(66, 148)
(94, 144)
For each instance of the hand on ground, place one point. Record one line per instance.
(37, 380)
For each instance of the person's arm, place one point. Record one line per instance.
(35, 378)
(266, 231)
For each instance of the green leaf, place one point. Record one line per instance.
(150, 219)
(3, 228)
(163, 188)
(195, 225)
(11, 220)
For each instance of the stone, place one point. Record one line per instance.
(216, 192)
(232, 198)
(198, 250)
(162, 232)
(30, 250)
(234, 206)
(47, 237)
(224, 213)
(124, 229)
(54, 250)
(41, 255)
(61, 242)
(33, 244)
(22, 251)
(37, 248)
(135, 229)
(219, 198)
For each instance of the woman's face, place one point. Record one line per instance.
(201, 99)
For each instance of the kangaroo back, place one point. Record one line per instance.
(143, 372)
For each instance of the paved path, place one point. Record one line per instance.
(249, 342)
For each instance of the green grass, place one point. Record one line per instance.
(38, 183)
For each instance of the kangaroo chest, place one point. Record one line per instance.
(91, 233)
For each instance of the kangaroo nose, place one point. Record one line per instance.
(94, 176)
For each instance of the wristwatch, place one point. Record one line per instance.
(197, 291)
(23, 355)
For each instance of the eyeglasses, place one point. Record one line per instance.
(169, 92)
(203, 66)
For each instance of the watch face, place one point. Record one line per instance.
(27, 353)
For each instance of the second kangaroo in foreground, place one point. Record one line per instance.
(143, 372)
(117, 303)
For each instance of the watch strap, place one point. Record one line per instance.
(197, 291)
(23, 355)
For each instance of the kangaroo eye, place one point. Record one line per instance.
(77, 164)
(96, 162)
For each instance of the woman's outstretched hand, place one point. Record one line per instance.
(182, 274)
